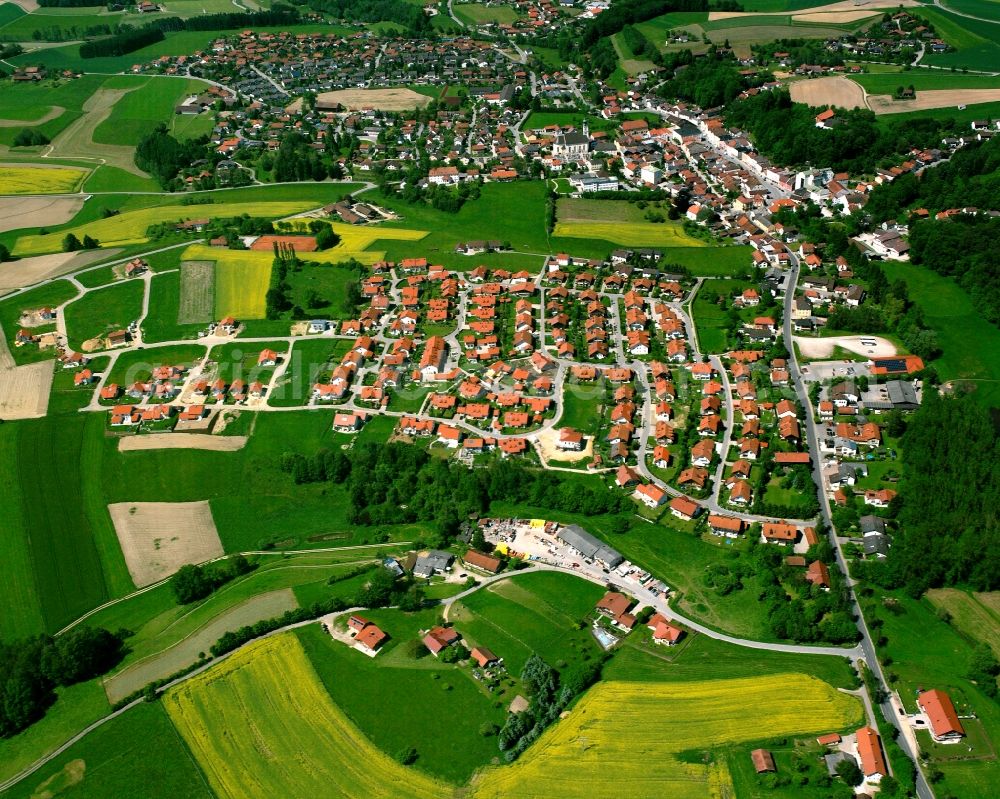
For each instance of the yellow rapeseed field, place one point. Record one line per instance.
(358, 237)
(622, 738)
(241, 287)
(40, 180)
(130, 227)
(261, 724)
(631, 234)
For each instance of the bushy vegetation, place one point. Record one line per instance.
(30, 137)
(163, 156)
(549, 694)
(947, 505)
(191, 583)
(409, 15)
(786, 132)
(399, 483)
(31, 668)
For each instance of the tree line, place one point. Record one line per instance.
(163, 156)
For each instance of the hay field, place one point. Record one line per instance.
(34, 211)
(928, 100)
(636, 234)
(28, 271)
(821, 92)
(205, 441)
(40, 179)
(197, 301)
(261, 724)
(157, 538)
(977, 615)
(185, 652)
(24, 390)
(623, 738)
(398, 99)
(130, 227)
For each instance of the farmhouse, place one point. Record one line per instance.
(440, 638)
(484, 657)
(480, 561)
(870, 754)
(941, 715)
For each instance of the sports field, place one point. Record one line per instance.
(623, 739)
(40, 179)
(296, 741)
(130, 227)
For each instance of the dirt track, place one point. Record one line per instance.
(18, 212)
(78, 137)
(136, 676)
(822, 347)
(182, 441)
(28, 271)
(835, 91)
(157, 538)
(382, 99)
(52, 113)
(926, 100)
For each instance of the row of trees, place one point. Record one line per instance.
(123, 42)
(31, 668)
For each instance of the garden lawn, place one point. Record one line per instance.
(48, 295)
(581, 407)
(312, 361)
(138, 364)
(103, 311)
(711, 320)
(535, 613)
